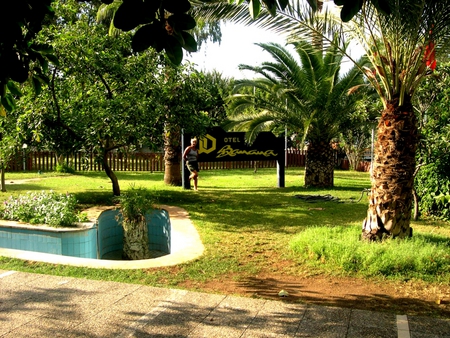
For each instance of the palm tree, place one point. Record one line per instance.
(309, 97)
(401, 44)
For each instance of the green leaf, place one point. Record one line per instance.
(2, 110)
(42, 48)
(53, 59)
(14, 89)
(350, 9)
(129, 15)
(189, 42)
(8, 103)
(37, 85)
(382, 5)
(41, 76)
(271, 6)
(181, 22)
(283, 3)
(255, 8)
(173, 50)
(43, 62)
(145, 37)
(313, 4)
(176, 6)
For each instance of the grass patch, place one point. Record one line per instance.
(339, 250)
(248, 226)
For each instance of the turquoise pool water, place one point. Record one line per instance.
(96, 240)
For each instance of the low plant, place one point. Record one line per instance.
(50, 208)
(64, 168)
(134, 205)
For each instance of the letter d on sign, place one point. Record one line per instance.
(204, 144)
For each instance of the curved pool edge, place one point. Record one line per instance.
(186, 246)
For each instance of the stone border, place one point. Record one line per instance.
(186, 246)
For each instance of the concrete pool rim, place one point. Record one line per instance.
(186, 246)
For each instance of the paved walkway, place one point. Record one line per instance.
(35, 305)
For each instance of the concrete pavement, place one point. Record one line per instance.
(35, 305)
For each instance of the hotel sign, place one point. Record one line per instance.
(219, 145)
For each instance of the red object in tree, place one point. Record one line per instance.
(430, 55)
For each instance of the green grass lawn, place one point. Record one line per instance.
(248, 226)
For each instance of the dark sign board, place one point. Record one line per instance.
(219, 145)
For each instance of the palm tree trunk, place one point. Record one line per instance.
(135, 239)
(390, 200)
(172, 156)
(319, 165)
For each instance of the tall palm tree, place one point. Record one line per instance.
(309, 97)
(401, 44)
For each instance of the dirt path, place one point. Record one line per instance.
(413, 298)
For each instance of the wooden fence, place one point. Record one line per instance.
(46, 161)
(140, 161)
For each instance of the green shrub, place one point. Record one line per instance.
(64, 168)
(134, 204)
(432, 184)
(48, 208)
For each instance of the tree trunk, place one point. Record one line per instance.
(110, 174)
(2, 180)
(59, 159)
(390, 200)
(172, 157)
(135, 239)
(354, 159)
(319, 165)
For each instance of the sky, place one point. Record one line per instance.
(238, 47)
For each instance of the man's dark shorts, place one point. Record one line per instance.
(192, 166)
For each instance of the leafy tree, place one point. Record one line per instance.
(99, 99)
(189, 101)
(309, 98)
(432, 181)
(179, 84)
(356, 134)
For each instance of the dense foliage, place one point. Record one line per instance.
(21, 57)
(432, 181)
